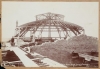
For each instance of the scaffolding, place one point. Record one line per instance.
(49, 22)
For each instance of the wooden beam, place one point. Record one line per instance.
(49, 29)
(24, 59)
(42, 27)
(57, 29)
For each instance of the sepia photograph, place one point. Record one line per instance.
(50, 34)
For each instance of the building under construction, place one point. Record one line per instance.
(48, 24)
(42, 30)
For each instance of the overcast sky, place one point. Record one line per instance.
(84, 14)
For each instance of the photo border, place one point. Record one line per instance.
(51, 1)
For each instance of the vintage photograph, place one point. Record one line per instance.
(50, 34)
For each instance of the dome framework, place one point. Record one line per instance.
(49, 22)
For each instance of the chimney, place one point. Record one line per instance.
(16, 23)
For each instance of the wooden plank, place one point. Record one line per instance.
(25, 60)
(50, 62)
(88, 57)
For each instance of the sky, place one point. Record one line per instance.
(85, 14)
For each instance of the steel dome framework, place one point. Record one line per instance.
(49, 22)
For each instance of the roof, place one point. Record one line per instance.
(68, 24)
(52, 19)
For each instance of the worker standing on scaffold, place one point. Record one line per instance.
(30, 48)
(12, 41)
(33, 39)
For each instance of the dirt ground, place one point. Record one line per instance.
(60, 50)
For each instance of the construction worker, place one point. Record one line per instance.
(12, 41)
(33, 39)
